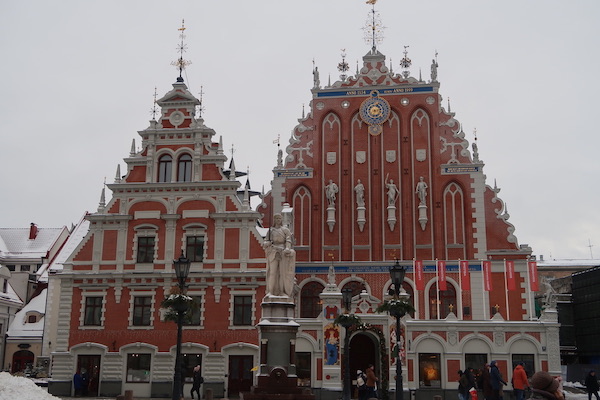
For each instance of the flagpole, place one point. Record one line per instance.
(460, 289)
(437, 294)
(528, 288)
(485, 310)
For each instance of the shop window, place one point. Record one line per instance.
(189, 362)
(184, 168)
(429, 370)
(194, 248)
(142, 310)
(145, 249)
(138, 367)
(242, 310)
(165, 163)
(310, 301)
(527, 359)
(303, 370)
(93, 311)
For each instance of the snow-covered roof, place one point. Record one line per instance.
(70, 245)
(11, 296)
(20, 327)
(15, 242)
(569, 262)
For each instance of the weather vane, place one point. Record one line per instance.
(405, 63)
(373, 27)
(181, 63)
(200, 106)
(343, 66)
(154, 110)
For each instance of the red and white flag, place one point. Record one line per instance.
(487, 275)
(441, 270)
(511, 280)
(533, 276)
(465, 276)
(419, 280)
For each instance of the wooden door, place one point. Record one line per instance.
(240, 375)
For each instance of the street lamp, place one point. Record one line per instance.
(347, 300)
(182, 269)
(397, 273)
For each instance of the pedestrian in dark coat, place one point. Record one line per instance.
(485, 383)
(591, 385)
(198, 380)
(77, 384)
(496, 381)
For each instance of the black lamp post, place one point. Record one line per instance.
(397, 273)
(347, 300)
(182, 269)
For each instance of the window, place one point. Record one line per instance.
(142, 310)
(5, 286)
(165, 163)
(475, 361)
(189, 362)
(429, 370)
(194, 314)
(32, 319)
(194, 248)
(310, 302)
(93, 311)
(184, 168)
(11, 268)
(25, 268)
(145, 249)
(242, 310)
(138, 367)
(440, 303)
(356, 287)
(303, 368)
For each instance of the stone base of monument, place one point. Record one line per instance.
(277, 378)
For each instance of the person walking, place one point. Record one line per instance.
(197, 381)
(591, 385)
(371, 382)
(496, 381)
(485, 383)
(519, 381)
(361, 384)
(545, 387)
(463, 389)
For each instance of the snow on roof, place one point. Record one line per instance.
(11, 296)
(15, 242)
(68, 248)
(20, 327)
(569, 262)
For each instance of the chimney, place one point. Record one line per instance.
(33, 231)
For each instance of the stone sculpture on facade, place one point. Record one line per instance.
(331, 190)
(392, 196)
(359, 189)
(281, 259)
(421, 191)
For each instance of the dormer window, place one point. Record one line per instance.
(32, 319)
(184, 168)
(165, 165)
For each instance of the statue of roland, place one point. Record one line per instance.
(281, 259)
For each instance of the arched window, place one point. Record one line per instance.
(442, 301)
(411, 299)
(21, 359)
(184, 168)
(356, 287)
(165, 164)
(310, 302)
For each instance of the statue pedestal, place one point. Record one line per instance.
(422, 216)
(360, 217)
(277, 331)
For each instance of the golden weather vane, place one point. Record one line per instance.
(373, 28)
(180, 63)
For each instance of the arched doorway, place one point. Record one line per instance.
(21, 359)
(364, 350)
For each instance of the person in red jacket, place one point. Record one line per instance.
(519, 381)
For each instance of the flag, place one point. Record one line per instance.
(487, 275)
(465, 276)
(418, 268)
(533, 276)
(511, 281)
(441, 268)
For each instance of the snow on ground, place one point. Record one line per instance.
(21, 388)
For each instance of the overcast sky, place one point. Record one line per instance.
(77, 80)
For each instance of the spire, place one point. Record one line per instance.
(475, 150)
(154, 109)
(302, 114)
(102, 204)
(180, 63)
(405, 63)
(132, 151)
(118, 174)
(343, 66)
(449, 110)
(220, 149)
(232, 169)
(200, 107)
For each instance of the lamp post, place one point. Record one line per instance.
(397, 273)
(182, 269)
(347, 300)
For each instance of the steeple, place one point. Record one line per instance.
(180, 63)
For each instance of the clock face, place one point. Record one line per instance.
(374, 110)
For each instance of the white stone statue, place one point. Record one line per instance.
(281, 259)
(316, 80)
(434, 67)
(359, 189)
(421, 191)
(330, 191)
(392, 191)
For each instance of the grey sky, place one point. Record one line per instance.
(77, 81)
